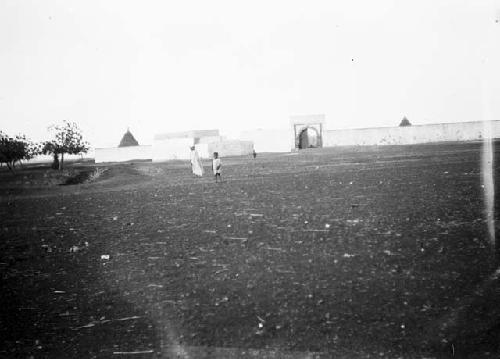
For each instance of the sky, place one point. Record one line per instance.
(167, 66)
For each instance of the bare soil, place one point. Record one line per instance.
(351, 252)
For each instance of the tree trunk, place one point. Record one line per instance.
(10, 166)
(55, 162)
(61, 162)
(497, 252)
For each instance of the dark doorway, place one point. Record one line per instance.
(309, 138)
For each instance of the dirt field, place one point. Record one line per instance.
(358, 252)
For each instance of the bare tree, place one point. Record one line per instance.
(68, 139)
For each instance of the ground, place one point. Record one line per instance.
(334, 253)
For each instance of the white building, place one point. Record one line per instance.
(176, 146)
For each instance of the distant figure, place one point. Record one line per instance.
(196, 165)
(216, 166)
(254, 154)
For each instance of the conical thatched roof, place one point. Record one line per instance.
(128, 140)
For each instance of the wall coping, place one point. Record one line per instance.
(419, 125)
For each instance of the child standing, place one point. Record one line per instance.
(216, 166)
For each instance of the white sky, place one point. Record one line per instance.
(164, 66)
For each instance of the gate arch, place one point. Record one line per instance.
(309, 137)
(307, 131)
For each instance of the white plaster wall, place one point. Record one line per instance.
(465, 131)
(278, 140)
(122, 154)
(172, 149)
(202, 149)
(231, 148)
(210, 139)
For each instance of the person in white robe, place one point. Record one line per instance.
(196, 164)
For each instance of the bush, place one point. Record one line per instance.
(16, 149)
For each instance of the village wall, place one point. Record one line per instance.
(277, 140)
(227, 148)
(166, 148)
(441, 132)
(172, 149)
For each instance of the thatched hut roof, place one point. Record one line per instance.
(128, 140)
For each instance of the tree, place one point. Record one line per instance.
(404, 122)
(68, 139)
(15, 149)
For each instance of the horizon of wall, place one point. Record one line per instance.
(409, 135)
(279, 140)
(176, 146)
(282, 140)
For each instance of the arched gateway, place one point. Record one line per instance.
(309, 138)
(308, 131)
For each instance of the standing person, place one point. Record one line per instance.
(254, 154)
(216, 166)
(196, 165)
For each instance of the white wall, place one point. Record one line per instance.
(172, 149)
(209, 139)
(278, 140)
(202, 149)
(464, 131)
(122, 154)
(230, 148)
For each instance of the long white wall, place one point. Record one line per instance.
(278, 140)
(231, 148)
(172, 149)
(282, 141)
(179, 148)
(123, 154)
(464, 131)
